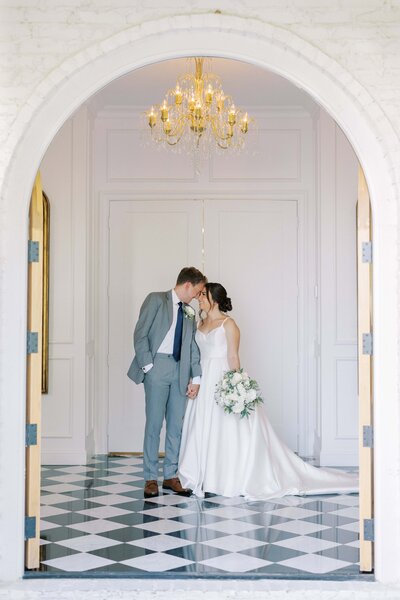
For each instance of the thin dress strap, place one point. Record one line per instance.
(222, 324)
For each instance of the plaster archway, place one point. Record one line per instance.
(268, 47)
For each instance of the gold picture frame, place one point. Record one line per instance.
(46, 277)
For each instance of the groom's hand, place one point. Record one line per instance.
(192, 390)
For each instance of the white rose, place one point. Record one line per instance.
(251, 395)
(190, 312)
(240, 389)
(237, 409)
(236, 378)
(224, 384)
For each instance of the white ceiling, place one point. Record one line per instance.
(249, 85)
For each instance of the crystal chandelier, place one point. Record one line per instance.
(198, 112)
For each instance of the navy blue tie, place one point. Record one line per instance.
(178, 334)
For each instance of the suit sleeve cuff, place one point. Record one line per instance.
(147, 368)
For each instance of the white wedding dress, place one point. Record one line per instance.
(226, 455)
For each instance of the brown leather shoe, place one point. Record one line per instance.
(151, 488)
(175, 485)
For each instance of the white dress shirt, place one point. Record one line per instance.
(167, 345)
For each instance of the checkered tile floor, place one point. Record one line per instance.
(94, 519)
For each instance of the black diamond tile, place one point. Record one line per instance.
(84, 494)
(350, 570)
(261, 506)
(75, 505)
(278, 570)
(205, 505)
(272, 553)
(198, 519)
(347, 553)
(264, 519)
(116, 568)
(50, 471)
(322, 506)
(181, 502)
(198, 569)
(133, 519)
(121, 552)
(135, 494)
(60, 533)
(136, 505)
(197, 552)
(69, 518)
(50, 551)
(267, 535)
(341, 536)
(329, 519)
(46, 482)
(128, 534)
(197, 534)
(50, 569)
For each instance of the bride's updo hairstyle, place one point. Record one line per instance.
(217, 293)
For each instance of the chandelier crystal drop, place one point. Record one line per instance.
(198, 114)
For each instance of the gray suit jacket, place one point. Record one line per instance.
(154, 321)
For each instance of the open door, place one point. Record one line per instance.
(365, 373)
(34, 377)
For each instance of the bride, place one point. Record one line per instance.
(229, 456)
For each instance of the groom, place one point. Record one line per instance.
(168, 362)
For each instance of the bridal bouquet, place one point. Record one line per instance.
(237, 393)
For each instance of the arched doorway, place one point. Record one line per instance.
(268, 47)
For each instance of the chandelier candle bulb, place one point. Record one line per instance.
(220, 102)
(244, 126)
(209, 94)
(198, 111)
(178, 96)
(167, 126)
(164, 112)
(152, 118)
(191, 103)
(232, 115)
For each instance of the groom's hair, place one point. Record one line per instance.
(191, 275)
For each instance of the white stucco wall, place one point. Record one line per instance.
(345, 52)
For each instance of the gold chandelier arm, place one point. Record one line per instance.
(218, 135)
(179, 127)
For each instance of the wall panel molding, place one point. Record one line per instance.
(129, 158)
(66, 169)
(338, 308)
(57, 405)
(282, 146)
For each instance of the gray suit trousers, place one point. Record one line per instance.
(163, 399)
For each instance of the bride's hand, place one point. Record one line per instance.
(192, 391)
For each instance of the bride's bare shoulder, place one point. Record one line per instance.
(230, 325)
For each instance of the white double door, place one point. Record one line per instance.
(250, 246)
